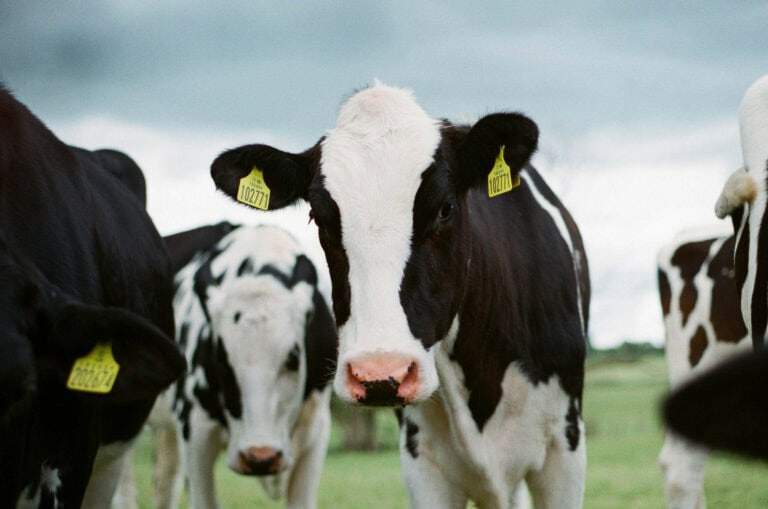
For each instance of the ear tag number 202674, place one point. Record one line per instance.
(500, 178)
(94, 372)
(253, 190)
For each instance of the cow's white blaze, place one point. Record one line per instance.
(372, 162)
(260, 322)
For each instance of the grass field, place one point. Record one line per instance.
(623, 441)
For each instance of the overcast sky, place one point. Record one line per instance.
(636, 102)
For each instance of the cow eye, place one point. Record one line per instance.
(237, 316)
(292, 362)
(445, 212)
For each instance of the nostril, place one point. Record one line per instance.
(409, 386)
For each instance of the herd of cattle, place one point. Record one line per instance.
(460, 298)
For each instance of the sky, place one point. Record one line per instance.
(636, 102)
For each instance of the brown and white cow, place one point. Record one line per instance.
(460, 290)
(703, 326)
(744, 198)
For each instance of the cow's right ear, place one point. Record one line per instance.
(148, 359)
(287, 176)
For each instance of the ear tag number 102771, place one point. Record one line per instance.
(253, 190)
(500, 178)
(95, 372)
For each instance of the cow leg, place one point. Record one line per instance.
(426, 485)
(683, 465)
(106, 473)
(200, 452)
(168, 478)
(126, 496)
(305, 478)
(560, 482)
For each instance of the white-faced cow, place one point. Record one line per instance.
(745, 197)
(467, 310)
(261, 347)
(703, 327)
(85, 321)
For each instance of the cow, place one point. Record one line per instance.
(703, 327)
(724, 408)
(460, 290)
(86, 321)
(260, 342)
(744, 197)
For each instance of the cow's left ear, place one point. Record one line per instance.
(148, 360)
(264, 177)
(477, 153)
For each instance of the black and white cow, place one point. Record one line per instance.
(81, 267)
(744, 198)
(261, 347)
(703, 327)
(467, 310)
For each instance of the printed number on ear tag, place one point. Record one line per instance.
(253, 190)
(500, 179)
(95, 372)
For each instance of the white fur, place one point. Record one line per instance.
(372, 162)
(739, 189)
(683, 463)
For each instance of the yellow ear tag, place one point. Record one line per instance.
(95, 372)
(500, 178)
(253, 190)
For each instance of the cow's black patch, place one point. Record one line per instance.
(572, 432)
(759, 304)
(183, 246)
(230, 389)
(325, 212)
(276, 273)
(320, 345)
(246, 267)
(725, 311)
(411, 444)
(207, 392)
(183, 335)
(303, 271)
(665, 291)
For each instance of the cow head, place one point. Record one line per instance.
(259, 327)
(43, 331)
(387, 188)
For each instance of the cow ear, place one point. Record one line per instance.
(148, 360)
(482, 145)
(286, 176)
(725, 407)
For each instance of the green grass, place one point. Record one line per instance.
(623, 441)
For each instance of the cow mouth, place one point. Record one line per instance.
(381, 393)
(260, 462)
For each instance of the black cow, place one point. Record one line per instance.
(460, 290)
(85, 282)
